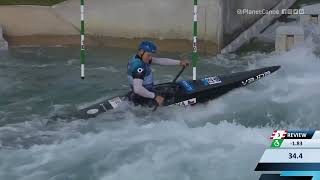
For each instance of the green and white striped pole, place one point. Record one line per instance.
(195, 51)
(82, 50)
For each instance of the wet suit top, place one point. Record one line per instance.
(140, 75)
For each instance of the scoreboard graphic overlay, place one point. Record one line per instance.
(292, 155)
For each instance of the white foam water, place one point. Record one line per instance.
(222, 139)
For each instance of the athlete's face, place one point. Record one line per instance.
(146, 57)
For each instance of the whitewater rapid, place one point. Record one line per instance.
(223, 139)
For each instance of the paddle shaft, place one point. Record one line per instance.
(174, 80)
(178, 75)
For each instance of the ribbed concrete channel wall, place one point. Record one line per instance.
(34, 20)
(125, 22)
(166, 19)
(168, 22)
(234, 22)
(257, 27)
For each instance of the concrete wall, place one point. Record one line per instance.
(33, 20)
(3, 43)
(309, 11)
(165, 19)
(283, 42)
(255, 29)
(234, 23)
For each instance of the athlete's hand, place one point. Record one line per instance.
(184, 63)
(159, 100)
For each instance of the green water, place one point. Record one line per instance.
(37, 79)
(200, 142)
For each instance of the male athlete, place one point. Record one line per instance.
(140, 74)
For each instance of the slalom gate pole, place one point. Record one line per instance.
(82, 48)
(195, 29)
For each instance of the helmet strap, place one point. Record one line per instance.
(142, 57)
(142, 54)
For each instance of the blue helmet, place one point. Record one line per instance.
(148, 46)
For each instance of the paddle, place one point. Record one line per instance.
(174, 80)
(178, 75)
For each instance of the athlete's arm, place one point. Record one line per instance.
(165, 61)
(140, 90)
(138, 75)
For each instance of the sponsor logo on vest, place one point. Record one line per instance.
(252, 79)
(140, 70)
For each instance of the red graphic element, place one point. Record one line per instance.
(279, 134)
